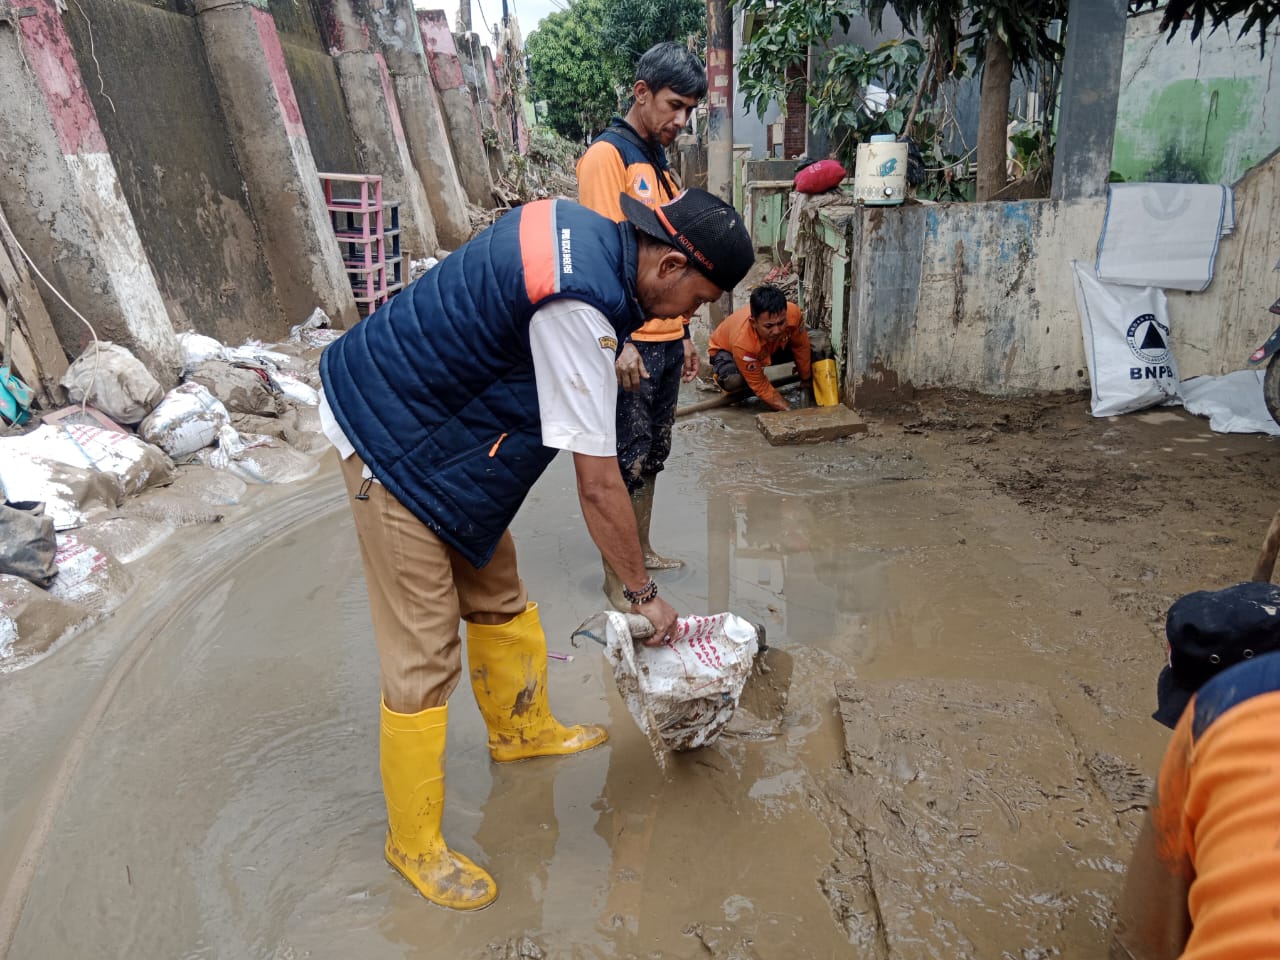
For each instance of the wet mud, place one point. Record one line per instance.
(945, 751)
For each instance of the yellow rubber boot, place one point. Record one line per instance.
(508, 664)
(412, 746)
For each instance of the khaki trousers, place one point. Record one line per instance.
(419, 588)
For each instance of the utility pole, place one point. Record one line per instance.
(464, 16)
(720, 99)
(511, 53)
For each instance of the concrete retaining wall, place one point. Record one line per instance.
(170, 146)
(316, 86)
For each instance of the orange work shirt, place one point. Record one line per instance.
(602, 176)
(752, 354)
(1208, 883)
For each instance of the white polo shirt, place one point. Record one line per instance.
(574, 347)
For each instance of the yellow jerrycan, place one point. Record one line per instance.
(826, 376)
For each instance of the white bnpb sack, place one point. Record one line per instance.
(683, 692)
(1126, 343)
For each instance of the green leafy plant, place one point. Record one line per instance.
(582, 60)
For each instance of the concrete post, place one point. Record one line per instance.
(720, 109)
(1090, 99)
(62, 196)
(375, 123)
(461, 117)
(720, 99)
(471, 57)
(394, 29)
(271, 147)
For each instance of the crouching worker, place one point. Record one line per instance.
(446, 405)
(1205, 876)
(766, 331)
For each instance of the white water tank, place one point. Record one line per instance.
(880, 171)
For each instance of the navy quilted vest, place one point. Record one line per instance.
(436, 389)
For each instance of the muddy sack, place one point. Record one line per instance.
(186, 420)
(72, 467)
(242, 387)
(1126, 344)
(28, 543)
(112, 379)
(684, 692)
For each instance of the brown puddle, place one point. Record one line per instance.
(227, 804)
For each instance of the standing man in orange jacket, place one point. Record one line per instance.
(629, 158)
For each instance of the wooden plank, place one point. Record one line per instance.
(45, 362)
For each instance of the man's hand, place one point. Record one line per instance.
(630, 368)
(663, 617)
(691, 362)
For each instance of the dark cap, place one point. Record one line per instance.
(701, 226)
(1209, 631)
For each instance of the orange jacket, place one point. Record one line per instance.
(752, 354)
(603, 174)
(1205, 879)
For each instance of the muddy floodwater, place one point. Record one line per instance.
(945, 753)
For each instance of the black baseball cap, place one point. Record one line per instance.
(1209, 631)
(701, 226)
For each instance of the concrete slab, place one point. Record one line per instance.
(810, 425)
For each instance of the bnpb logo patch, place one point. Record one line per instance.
(1148, 340)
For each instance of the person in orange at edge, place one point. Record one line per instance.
(766, 331)
(1204, 881)
(629, 158)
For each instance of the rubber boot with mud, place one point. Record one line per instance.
(642, 503)
(508, 665)
(613, 589)
(412, 749)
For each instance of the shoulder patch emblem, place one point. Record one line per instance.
(643, 190)
(608, 343)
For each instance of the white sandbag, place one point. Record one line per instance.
(113, 380)
(1234, 403)
(197, 348)
(316, 331)
(28, 467)
(186, 420)
(88, 577)
(1126, 344)
(259, 459)
(683, 692)
(295, 389)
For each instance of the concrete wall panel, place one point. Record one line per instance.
(1202, 112)
(317, 88)
(976, 296)
(1214, 332)
(170, 147)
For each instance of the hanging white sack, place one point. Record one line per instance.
(1126, 344)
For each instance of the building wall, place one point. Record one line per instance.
(980, 296)
(145, 71)
(1194, 112)
(315, 83)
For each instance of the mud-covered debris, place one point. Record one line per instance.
(517, 948)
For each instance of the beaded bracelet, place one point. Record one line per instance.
(645, 594)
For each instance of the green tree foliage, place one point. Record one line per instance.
(633, 26)
(570, 70)
(582, 60)
(1251, 14)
